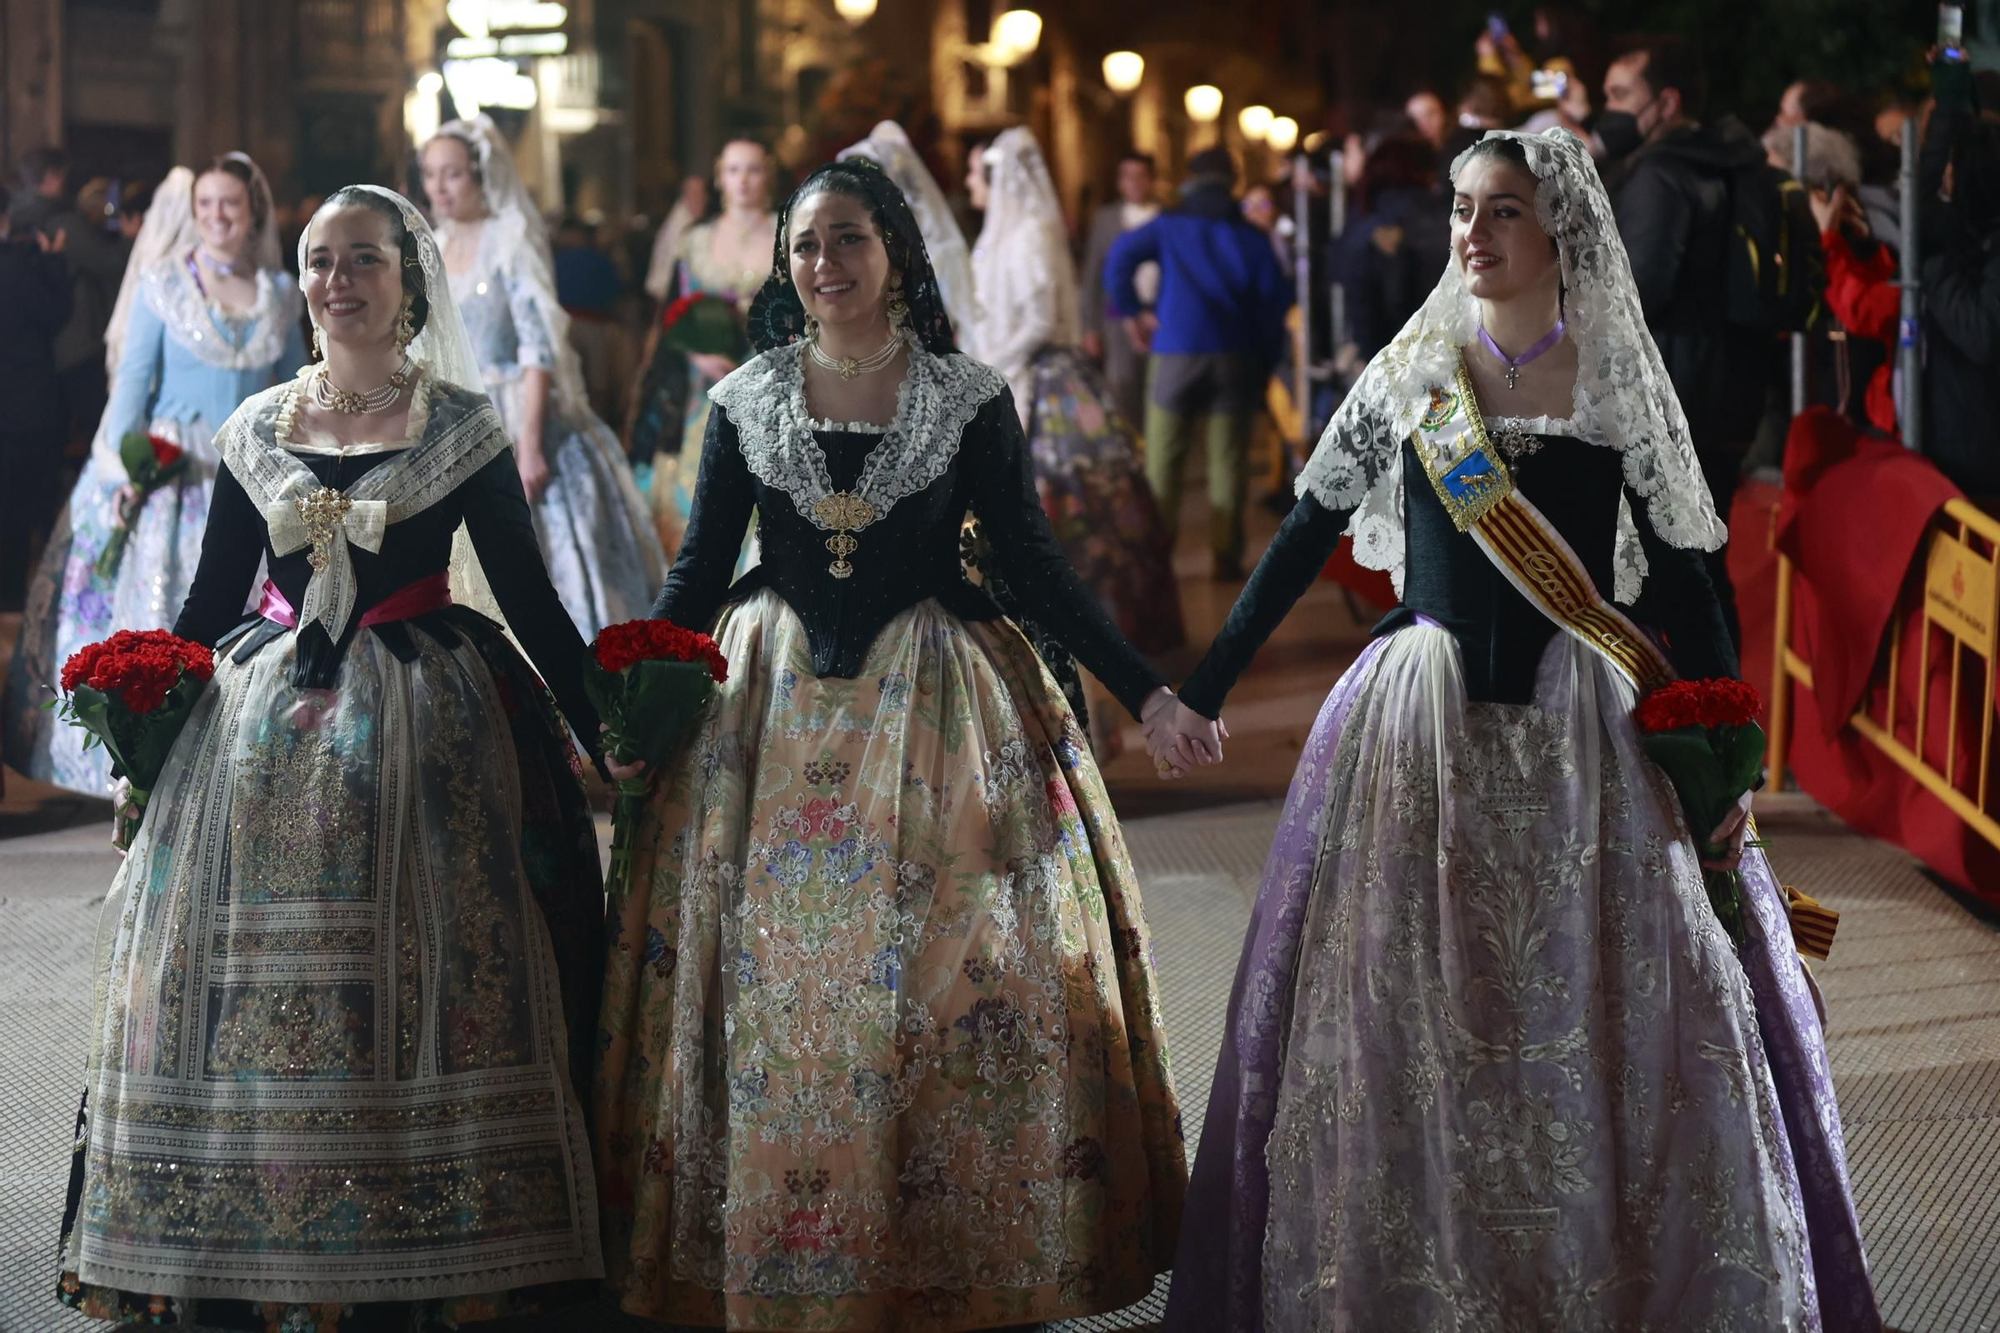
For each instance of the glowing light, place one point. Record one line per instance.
(856, 12)
(1284, 132)
(483, 18)
(1017, 33)
(1124, 71)
(1203, 102)
(488, 82)
(1254, 121)
(431, 84)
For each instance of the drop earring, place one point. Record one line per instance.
(899, 309)
(319, 352)
(405, 326)
(812, 329)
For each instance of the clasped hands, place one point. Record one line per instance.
(1177, 737)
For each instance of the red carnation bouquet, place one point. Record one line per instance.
(649, 680)
(1704, 735)
(133, 693)
(151, 462)
(703, 325)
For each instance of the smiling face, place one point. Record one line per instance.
(838, 262)
(354, 277)
(222, 213)
(1500, 247)
(448, 180)
(743, 174)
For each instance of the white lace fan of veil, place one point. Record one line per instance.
(518, 234)
(1026, 284)
(889, 148)
(1623, 400)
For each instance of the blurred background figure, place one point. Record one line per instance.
(1108, 340)
(34, 306)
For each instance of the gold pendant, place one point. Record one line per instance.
(843, 511)
(849, 369)
(322, 511)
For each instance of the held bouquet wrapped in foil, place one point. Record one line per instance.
(1704, 735)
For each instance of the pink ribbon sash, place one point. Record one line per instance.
(420, 598)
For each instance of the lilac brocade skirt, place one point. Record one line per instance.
(1481, 1071)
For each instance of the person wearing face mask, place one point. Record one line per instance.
(348, 970)
(205, 317)
(1493, 1056)
(1670, 176)
(595, 531)
(881, 1039)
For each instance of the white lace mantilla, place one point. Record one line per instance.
(1623, 398)
(462, 433)
(766, 402)
(198, 325)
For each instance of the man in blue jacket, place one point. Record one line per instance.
(1217, 332)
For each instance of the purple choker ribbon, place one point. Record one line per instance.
(1514, 363)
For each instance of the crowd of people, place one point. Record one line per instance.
(866, 1034)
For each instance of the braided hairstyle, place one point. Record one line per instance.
(777, 317)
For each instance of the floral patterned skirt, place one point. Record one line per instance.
(330, 1083)
(883, 1048)
(70, 604)
(1093, 485)
(1490, 1061)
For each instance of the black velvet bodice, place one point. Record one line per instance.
(908, 555)
(493, 508)
(1501, 634)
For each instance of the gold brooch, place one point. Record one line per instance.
(843, 511)
(322, 511)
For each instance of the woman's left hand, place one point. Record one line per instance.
(1731, 833)
(620, 772)
(534, 470)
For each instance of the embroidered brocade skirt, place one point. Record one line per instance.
(330, 1073)
(1490, 1061)
(1093, 485)
(883, 1048)
(70, 605)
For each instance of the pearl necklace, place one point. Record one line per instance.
(849, 368)
(379, 399)
(221, 267)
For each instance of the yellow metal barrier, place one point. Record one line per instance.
(1960, 592)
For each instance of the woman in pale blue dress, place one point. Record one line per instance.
(596, 536)
(206, 317)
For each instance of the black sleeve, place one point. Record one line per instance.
(724, 497)
(56, 298)
(1003, 496)
(503, 533)
(1305, 542)
(231, 546)
(1654, 220)
(1679, 600)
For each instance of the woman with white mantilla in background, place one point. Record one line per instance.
(599, 542)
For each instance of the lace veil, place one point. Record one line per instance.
(1624, 400)
(167, 229)
(520, 239)
(442, 346)
(1026, 283)
(890, 148)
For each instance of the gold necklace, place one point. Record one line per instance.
(850, 367)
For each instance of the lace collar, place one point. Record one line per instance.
(210, 334)
(461, 434)
(766, 402)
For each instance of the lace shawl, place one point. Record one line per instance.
(1024, 283)
(766, 402)
(1623, 399)
(461, 434)
(191, 320)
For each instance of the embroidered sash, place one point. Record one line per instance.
(1477, 489)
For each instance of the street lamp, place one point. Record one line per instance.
(1203, 102)
(1017, 33)
(1123, 71)
(1254, 121)
(856, 12)
(1282, 134)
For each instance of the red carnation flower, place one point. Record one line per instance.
(1698, 703)
(165, 452)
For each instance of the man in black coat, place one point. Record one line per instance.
(96, 264)
(34, 306)
(1668, 173)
